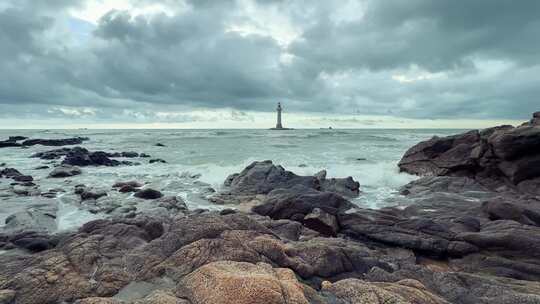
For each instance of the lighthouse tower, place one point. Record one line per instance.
(278, 124)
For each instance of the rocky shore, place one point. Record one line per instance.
(471, 235)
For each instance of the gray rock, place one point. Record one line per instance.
(322, 222)
(148, 193)
(65, 171)
(297, 202)
(31, 219)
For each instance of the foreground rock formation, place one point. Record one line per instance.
(469, 234)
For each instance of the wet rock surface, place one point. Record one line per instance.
(495, 157)
(81, 157)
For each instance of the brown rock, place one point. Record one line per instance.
(402, 292)
(228, 282)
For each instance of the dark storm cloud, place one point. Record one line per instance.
(437, 35)
(417, 58)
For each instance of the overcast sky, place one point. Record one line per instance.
(188, 63)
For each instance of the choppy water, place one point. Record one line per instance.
(370, 156)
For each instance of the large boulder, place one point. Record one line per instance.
(263, 177)
(244, 283)
(401, 292)
(297, 202)
(444, 156)
(496, 156)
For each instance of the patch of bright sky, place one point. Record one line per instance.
(95, 9)
(264, 21)
(414, 74)
(349, 11)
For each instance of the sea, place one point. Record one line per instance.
(200, 159)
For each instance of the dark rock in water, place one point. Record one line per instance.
(53, 154)
(79, 156)
(82, 157)
(160, 145)
(130, 154)
(17, 138)
(263, 177)
(227, 211)
(41, 167)
(133, 184)
(127, 188)
(16, 175)
(144, 155)
(23, 178)
(55, 142)
(8, 144)
(343, 186)
(88, 194)
(10, 173)
(148, 193)
(322, 222)
(172, 203)
(31, 220)
(494, 156)
(157, 160)
(65, 171)
(297, 202)
(2, 164)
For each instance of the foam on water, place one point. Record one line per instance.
(70, 217)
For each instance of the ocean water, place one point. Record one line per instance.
(198, 159)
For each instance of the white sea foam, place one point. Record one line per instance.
(71, 217)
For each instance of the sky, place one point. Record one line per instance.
(226, 64)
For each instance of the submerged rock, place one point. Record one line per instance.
(148, 193)
(157, 160)
(65, 171)
(32, 220)
(79, 156)
(55, 142)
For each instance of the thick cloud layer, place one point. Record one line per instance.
(410, 59)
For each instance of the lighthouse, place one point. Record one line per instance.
(278, 124)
